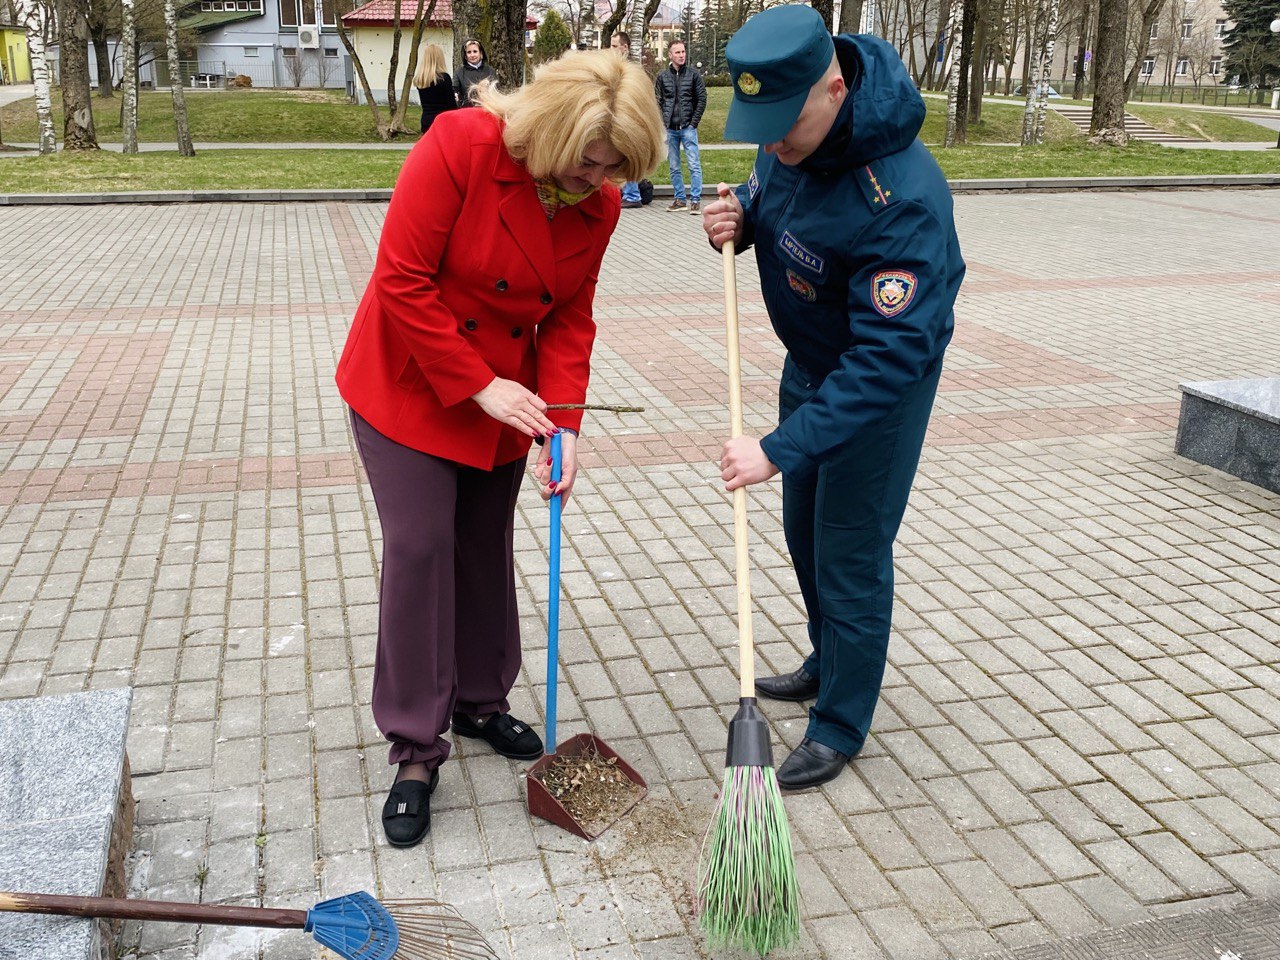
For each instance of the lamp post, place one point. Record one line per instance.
(1275, 94)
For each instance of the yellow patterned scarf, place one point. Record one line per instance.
(553, 198)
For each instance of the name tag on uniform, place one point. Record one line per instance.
(802, 255)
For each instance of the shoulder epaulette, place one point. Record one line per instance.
(875, 188)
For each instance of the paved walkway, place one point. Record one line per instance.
(1080, 727)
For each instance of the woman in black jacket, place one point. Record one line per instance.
(435, 86)
(475, 69)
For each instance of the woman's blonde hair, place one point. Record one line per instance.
(573, 102)
(430, 65)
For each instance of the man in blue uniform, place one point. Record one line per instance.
(852, 226)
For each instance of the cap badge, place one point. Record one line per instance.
(748, 84)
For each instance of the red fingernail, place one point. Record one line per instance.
(552, 484)
(549, 461)
(555, 430)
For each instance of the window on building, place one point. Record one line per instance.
(288, 13)
(1215, 66)
(250, 51)
(1155, 31)
(1148, 66)
(206, 6)
(331, 52)
(1187, 26)
(288, 52)
(242, 5)
(1219, 28)
(294, 13)
(1182, 67)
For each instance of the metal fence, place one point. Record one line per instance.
(311, 69)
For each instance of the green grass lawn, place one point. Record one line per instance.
(298, 169)
(1201, 125)
(244, 116)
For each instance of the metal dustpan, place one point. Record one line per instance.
(541, 802)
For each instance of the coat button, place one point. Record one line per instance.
(470, 324)
(516, 332)
(545, 298)
(501, 285)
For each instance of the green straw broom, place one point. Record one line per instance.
(747, 894)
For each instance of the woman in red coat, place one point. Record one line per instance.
(477, 317)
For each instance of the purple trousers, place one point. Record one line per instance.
(448, 630)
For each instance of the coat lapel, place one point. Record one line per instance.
(523, 216)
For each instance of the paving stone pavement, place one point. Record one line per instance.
(1080, 726)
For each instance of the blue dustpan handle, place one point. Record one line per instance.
(553, 602)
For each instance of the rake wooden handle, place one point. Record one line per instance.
(746, 646)
(112, 908)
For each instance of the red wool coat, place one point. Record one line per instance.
(472, 281)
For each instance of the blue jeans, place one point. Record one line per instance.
(688, 138)
(631, 192)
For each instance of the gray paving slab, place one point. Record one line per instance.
(1078, 729)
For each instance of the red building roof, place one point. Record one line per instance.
(381, 13)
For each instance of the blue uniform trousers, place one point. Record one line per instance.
(840, 524)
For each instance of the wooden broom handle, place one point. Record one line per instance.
(111, 908)
(746, 647)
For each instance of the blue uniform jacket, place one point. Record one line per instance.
(859, 261)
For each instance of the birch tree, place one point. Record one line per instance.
(31, 17)
(1037, 88)
(129, 82)
(955, 16)
(185, 147)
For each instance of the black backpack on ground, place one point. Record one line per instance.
(646, 192)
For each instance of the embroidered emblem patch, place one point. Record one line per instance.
(748, 84)
(802, 254)
(801, 287)
(892, 291)
(753, 184)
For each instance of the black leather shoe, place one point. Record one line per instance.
(810, 765)
(510, 737)
(790, 686)
(406, 816)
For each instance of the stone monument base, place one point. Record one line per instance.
(1234, 426)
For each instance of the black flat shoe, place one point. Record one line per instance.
(510, 737)
(406, 815)
(790, 686)
(810, 765)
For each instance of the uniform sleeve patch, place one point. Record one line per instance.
(892, 291)
(753, 184)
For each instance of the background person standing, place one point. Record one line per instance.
(435, 86)
(682, 98)
(620, 43)
(475, 70)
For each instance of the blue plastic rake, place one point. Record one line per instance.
(355, 927)
(553, 602)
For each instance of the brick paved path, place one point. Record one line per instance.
(1081, 722)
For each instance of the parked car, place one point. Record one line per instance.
(1053, 94)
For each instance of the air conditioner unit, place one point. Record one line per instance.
(309, 38)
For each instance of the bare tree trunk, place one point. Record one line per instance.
(635, 30)
(979, 56)
(1046, 65)
(1150, 13)
(1077, 92)
(129, 82)
(954, 15)
(185, 147)
(420, 19)
(394, 63)
(964, 67)
(506, 50)
(31, 15)
(851, 16)
(379, 125)
(826, 10)
(73, 69)
(102, 57)
(1107, 122)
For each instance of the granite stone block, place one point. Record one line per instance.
(1233, 426)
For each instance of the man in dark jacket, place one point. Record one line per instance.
(475, 69)
(682, 97)
(852, 224)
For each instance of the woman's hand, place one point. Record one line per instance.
(568, 469)
(744, 462)
(510, 403)
(722, 219)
